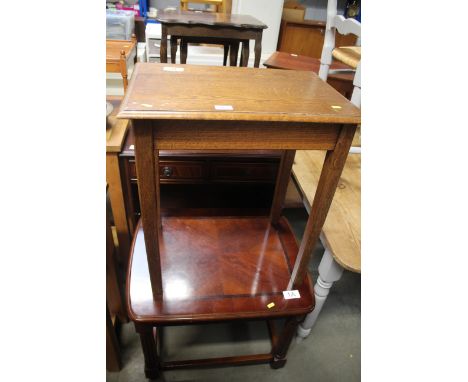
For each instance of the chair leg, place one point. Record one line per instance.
(329, 272)
(150, 350)
(245, 53)
(281, 347)
(183, 51)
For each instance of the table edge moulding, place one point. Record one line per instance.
(171, 108)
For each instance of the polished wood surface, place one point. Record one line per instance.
(215, 268)
(341, 232)
(290, 61)
(209, 18)
(254, 95)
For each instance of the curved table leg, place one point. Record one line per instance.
(183, 51)
(234, 50)
(258, 49)
(173, 49)
(226, 52)
(245, 53)
(329, 272)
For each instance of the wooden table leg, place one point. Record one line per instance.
(234, 50)
(284, 340)
(163, 49)
(226, 52)
(123, 69)
(150, 350)
(113, 360)
(173, 49)
(245, 53)
(183, 51)
(116, 196)
(329, 272)
(258, 49)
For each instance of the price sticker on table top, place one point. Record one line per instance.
(172, 69)
(290, 294)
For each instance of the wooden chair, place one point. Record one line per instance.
(117, 53)
(349, 55)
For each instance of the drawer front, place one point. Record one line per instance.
(231, 171)
(186, 170)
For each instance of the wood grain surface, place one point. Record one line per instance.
(342, 229)
(198, 92)
(209, 18)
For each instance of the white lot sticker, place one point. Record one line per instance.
(223, 107)
(289, 294)
(172, 69)
(294, 55)
(131, 147)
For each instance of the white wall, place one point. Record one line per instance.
(267, 11)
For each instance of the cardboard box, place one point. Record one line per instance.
(293, 11)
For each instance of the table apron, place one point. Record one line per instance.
(214, 31)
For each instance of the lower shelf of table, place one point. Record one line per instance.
(217, 268)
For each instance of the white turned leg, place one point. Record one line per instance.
(329, 272)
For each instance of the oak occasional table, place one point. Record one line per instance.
(210, 28)
(190, 269)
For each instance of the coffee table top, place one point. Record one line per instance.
(209, 18)
(196, 92)
(216, 268)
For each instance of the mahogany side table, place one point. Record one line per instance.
(212, 28)
(187, 269)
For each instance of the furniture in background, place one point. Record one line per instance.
(350, 55)
(118, 52)
(341, 233)
(218, 5)
(211, 28)
(306, 38)
(341, 81)
(188, 269)
(115, 305)
(116, 132)
(341, 237)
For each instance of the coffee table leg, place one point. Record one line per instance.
(163, 51)
(150, 350)
(282, 345)
(258, 49)
(173, 49)
(329, 272)
(226, 52)
(183, 51)
(245, 53)
(234, 50)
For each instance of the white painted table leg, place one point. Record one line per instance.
(329, 272)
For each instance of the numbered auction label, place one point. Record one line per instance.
(289, 294)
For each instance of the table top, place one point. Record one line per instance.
(114, 47)
(342, 229)
(210, 19)
(117, 128)
(289, 61)
(196, 92)
(217, 268)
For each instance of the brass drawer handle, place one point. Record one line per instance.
(167, 171)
